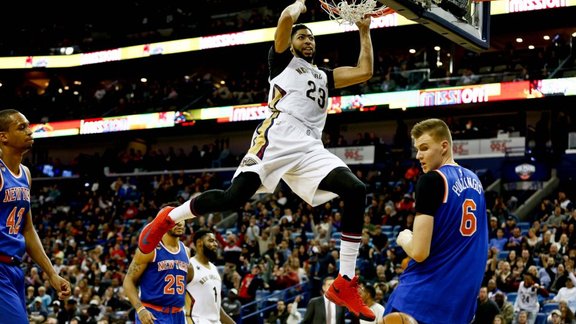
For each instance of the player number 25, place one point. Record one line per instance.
(172, 280)
(468, 221)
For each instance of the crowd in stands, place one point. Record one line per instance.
(90, 229)
(196, 87)
(202, 83)
(278, 241)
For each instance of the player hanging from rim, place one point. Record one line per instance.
(287, 145)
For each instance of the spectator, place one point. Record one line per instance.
(53, 311)
(37, 313)
(320, 310)
(560, 280)
(515, 240)
(506, 307)
(498, 319)
(523, 318)
(547, 272)
(499, 242)
(509, 225)
(527, 300)
(567, 315)
(567, 293)
(527, 258)
(250, 283)
(69, 311)
(563, 200)
(486, 309)
(553, 253)
(232, 246)
(294, 316)
(494, 226)
(543, 247)
(231, 305)
(555, 220)
(555, 317)
(284, 277)
(492, 288)
(468, 77)
(278, 315)
(30, 296)
(532, 239)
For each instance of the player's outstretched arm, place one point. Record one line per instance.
(135, 270)
(345, 76)
(36, 251)
(287, 18)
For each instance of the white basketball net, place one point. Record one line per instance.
(350, 13)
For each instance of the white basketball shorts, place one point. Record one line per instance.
(283, 148)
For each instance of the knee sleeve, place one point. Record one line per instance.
(352, 191)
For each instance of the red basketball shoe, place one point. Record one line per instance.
(152, 233)
(344, 292)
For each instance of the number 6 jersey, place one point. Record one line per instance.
(454, 270)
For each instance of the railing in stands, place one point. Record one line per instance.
(256, 311)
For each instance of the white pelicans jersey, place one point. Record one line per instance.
(299, 89)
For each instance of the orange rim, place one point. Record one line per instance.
(330, 8)
(379, 13)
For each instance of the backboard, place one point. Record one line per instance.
(465, 22)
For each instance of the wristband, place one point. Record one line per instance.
(140, 309)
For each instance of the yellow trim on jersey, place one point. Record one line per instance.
(188, 305)
(278, 93)
(261, 141)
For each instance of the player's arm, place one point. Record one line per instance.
(188, 308)
(36, 251)
(225, 318)
(188, 299)
(135, 270)
(287, 18)
(190, 274)
(430, 190)
(345, 76)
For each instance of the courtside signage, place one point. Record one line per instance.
(336, 105)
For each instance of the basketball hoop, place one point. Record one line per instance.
(350, 13)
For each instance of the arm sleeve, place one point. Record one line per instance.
(330, 73)
(430, 190)
(277, 62)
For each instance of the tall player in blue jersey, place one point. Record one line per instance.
(17, 233)
(449, 245)
(161, 277)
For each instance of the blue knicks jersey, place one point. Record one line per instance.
(443, 288)
(163, 283)
(15, 198)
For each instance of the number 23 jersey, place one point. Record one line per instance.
(299, 88)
